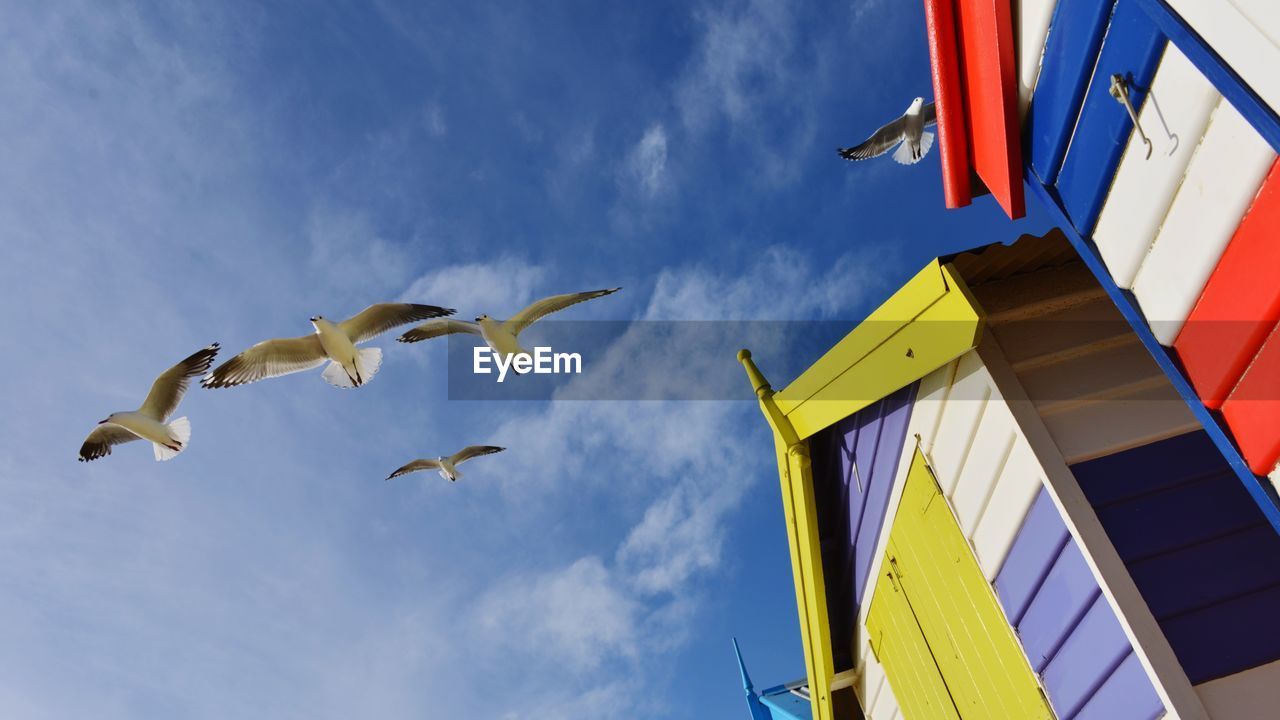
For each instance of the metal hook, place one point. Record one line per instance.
(1120, 91)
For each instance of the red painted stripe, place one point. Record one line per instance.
(953, 139)
(985, 32)
(1240, 304)
(1253, 409)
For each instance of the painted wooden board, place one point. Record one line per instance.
(1032, 18)
(965, 404)
(1020, 481)
(1126, 693)
(1196, 547)
(1131, 49)
(990, 80)
(979, 657)
(1245, 33)
(1254, 693)
(1041, 538)
(1063, 597)
(1095, 429)
(875, 695)
(900, 647)
(1221, 181)
(1071, 51)
(1174, 117)
(854, 465)
(1095, 647)
(1253, 408)
(977, 480)
(1240, 303)
(949, 101)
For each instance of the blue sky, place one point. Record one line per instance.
(195, 172)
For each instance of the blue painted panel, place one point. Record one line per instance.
(1186, 514)
(1147, 469)
(1127, 694)
(1228, 637)
(1086, 660)
(854, 463)
(1209, 572)
(786, 705)
(884, 466)
(1075, 35)
(1197, 547)
(1039, 541)
(1064, 597)
(1132, 49)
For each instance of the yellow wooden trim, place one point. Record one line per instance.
(932, 320)
(801, 513)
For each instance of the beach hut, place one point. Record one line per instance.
(1150, 129)
(999, 506)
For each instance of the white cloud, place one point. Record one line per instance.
(576, 616)
(740, 64)
(500, 287)
(434, 121)
(646, 165)
(782, 284)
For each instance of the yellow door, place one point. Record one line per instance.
(930, 572)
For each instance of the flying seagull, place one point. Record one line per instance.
(349, 366)
(907, 132)
(148, 421)
(501, 336)
(447, 466)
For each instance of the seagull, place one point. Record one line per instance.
(349, 367)
(500, 335)
(148, 421)
(907, 132)
(447, 466)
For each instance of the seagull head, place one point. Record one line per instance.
(482, 317)
(107, 419)
(917, 103)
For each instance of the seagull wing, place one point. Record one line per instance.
(415, 466)
(168, 389)
(546, 306)
(99, 442)
(381, 317)
(472, 451)
(879, 143)
(437, 328)
(268, 359)
(930, 114)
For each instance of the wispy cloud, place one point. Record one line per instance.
(646, 166)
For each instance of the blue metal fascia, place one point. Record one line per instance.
(1259, 489)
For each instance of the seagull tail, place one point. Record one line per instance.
(337, 376)
(180, 432)
(926, 142)
(367, 362)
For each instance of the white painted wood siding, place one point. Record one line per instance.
(1174, 118)
(1222, 179)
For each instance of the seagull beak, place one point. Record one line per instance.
(102, 421)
